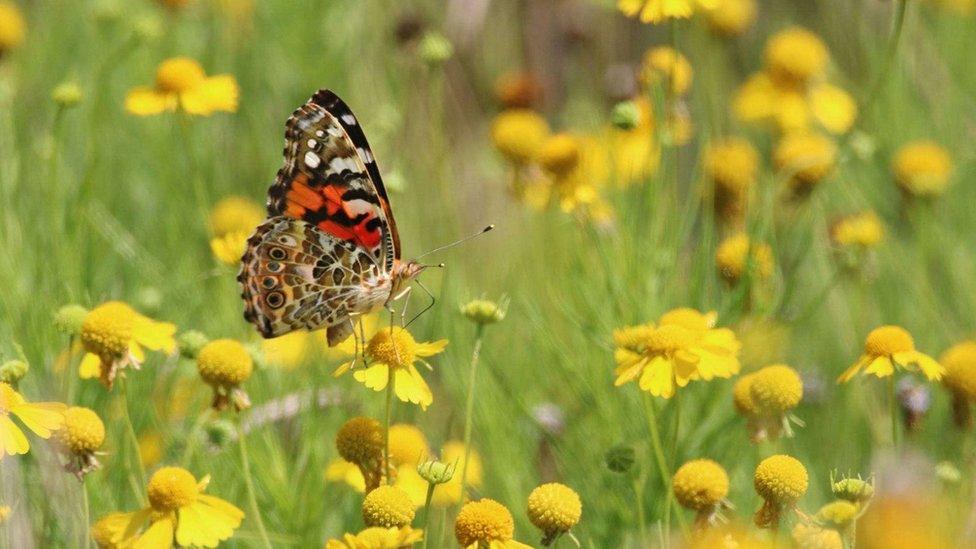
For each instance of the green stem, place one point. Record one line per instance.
(639, 496)
(897, 25)
(426, 524)
(193, 438)
(893, 410)
(86, 509)
(662, 465)
(249, 485)
(469, 407)
(133, 440)
(677, 428)
(390, 390)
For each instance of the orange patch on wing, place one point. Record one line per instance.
(304, 196)
(337, 230)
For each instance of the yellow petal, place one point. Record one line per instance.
(154, 335)
(90, 367)
(41, 417)
(159, 535)
(144, 101)
(12, 439)
(217, 93)
(123, 526)
(853, 370)
(833, 107)
(929, 366)
(343, 368)
(411, 387)
(881, 366)
(207, 522)
(431, 348)
(658, 378)
(756, 99)
(375, 377)
(136, 352)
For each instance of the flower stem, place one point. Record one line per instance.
(897, 25)
(193, 437)
(426, 524)
(662, 464)
(249, 485)
(86, 509)
(469, 407)
(133, 440)
(893, 410)
(390, 390)
(639, 497)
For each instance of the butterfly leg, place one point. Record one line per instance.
(405, 295)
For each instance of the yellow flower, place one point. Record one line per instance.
(888, 347)
(554, 508)
(449, 493)
(701, 485)
(518, 90)
(340, 470)
(736, 255)
(922, 168)
(833, 107)
(781, 481)
(360, 441)
(151, 448)
(81, 436)
(484, 311)
(486, 523)
(179, 513)
(519, 134)
(377, 537)
(182, 84)
(234, 214)
(795, 56)
(810, 536)
(762, 98)
(732, 164)
(732, 17)
(287, 351)
(775, 390)
(42, 418)
(806, 157)
(663, 66)
(681, 348)
(960, 369)
(392, 354)
(408, 445)
(388, 507)
(12, 27)
(225, 364)
(863, 230)
(635, 153)
(655, 11)
(839, 514)
(742, 396)
(559, 154)
(114, 335)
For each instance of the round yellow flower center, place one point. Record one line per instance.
(837, 514)
(863, 229)
(518, 134)
(687, 318)
(407, 445)
(179, 75)
(811, 536)
(888, 340)
(360, 440)
(171, 488)
(732, 256)
(665, 66)
(700, 485)
(484, 520)
(554, 507)
(669, 338)
(960, 364)
(632, 338)
(388, 506)
(742, 396)
(12, 27)
(795, 56)
(395, 348)
(107, 329)
(83, 431)
(235, 214)
(560, 154)
(922, 168)
(732, 17)
(733, 164)
(776, 389)
(224, 362)
(781, 479)
(809, 157)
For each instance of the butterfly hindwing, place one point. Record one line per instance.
(330, 179)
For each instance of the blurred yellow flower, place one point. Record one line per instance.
(151, 448)
(736, 255)
(518, 90)
(392, 354)
(287, 351)
(182, 84)
(559, 154)
(890, 347)
(229, 248)
(811, 536)
(377, 537)
(655, 11)
(408, 445)
(665, 67)
(669, 355)
(486, 523)
(518, 134)
(13, 29)
(960, 369)
(807, 158)
(863, 230)
(340, 470)
(833, 108)
(732, 164)
(179, 513)
(233, 214)
(114, 335)
(634, 154)
(732, 17)
(922, 168)
(795, 56)
(780, 480)
(449, 493)
(42, 418)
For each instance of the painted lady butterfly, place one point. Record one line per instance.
(329, 251)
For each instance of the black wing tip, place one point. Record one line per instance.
(326, 98)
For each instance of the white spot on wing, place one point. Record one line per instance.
(312, 143)
(312, 160)
(365, 155)
(319, 133)
(349, 119)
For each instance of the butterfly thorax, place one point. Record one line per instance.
(402, 274)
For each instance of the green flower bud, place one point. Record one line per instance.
(436, 472)
(13, 371)
(67, 94)
(69, 319)
(625, 115)
(435, 49)
(191, 342)
(620, 459)
(483, 311)
(220, 433)
(855, 490)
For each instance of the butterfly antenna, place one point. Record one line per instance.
(456, 242)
